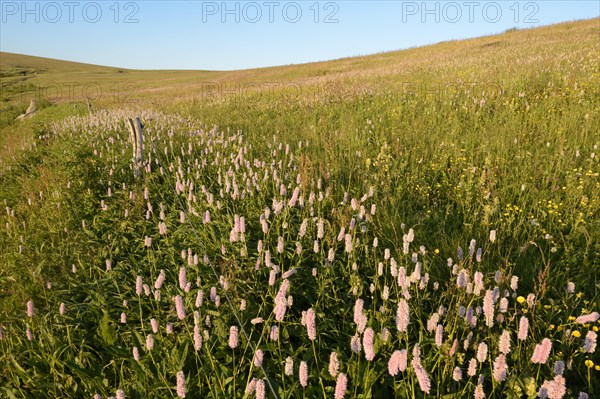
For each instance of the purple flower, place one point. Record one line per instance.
(355, 344)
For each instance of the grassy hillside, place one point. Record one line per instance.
(457, 182)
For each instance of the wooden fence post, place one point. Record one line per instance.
(136, 136)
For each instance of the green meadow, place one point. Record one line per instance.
(411, 224)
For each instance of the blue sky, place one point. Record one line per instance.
(217, 35)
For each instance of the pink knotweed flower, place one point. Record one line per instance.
(139, 286)
(233, 337)
(97, 396)
(181, 391)
(123, 317)
(488, 308)
(514, 283)
(30, 310)
(182, 278)
(197, 338)
(589, 344)
(479, 393)
(169, 328)
(334, 364)
(542, 352)
(472, 370)
(554, 389)
(358, 308)
(504, 343)
(258, 358)
(289, 273)
(340, 386)
(478, 280)
(311, 324)
(260, 389)
(589, 318)
(402, 315)
(457, 374)
(280, 245)
(289, 366)
(120, 394)
(199, 298)
(482, 351)
(368, 344)
(330, 255)
(570, 287)
(398, 362)
(348, 243)
(531, 300)
(251, 386)
(355, 344)
(154, 325)
(136, 354)
(149, 342)
(303, 374)
(179, 307)
(523, 328)
(503, 305)
(274, 333)
(29, 334)
(422, 376)
(439, 335)
(61, 309)
(160, 280)
(500, 368)
(108, 265)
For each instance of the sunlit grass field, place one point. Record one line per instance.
(412, 224)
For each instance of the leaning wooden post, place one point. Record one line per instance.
(136, 135)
